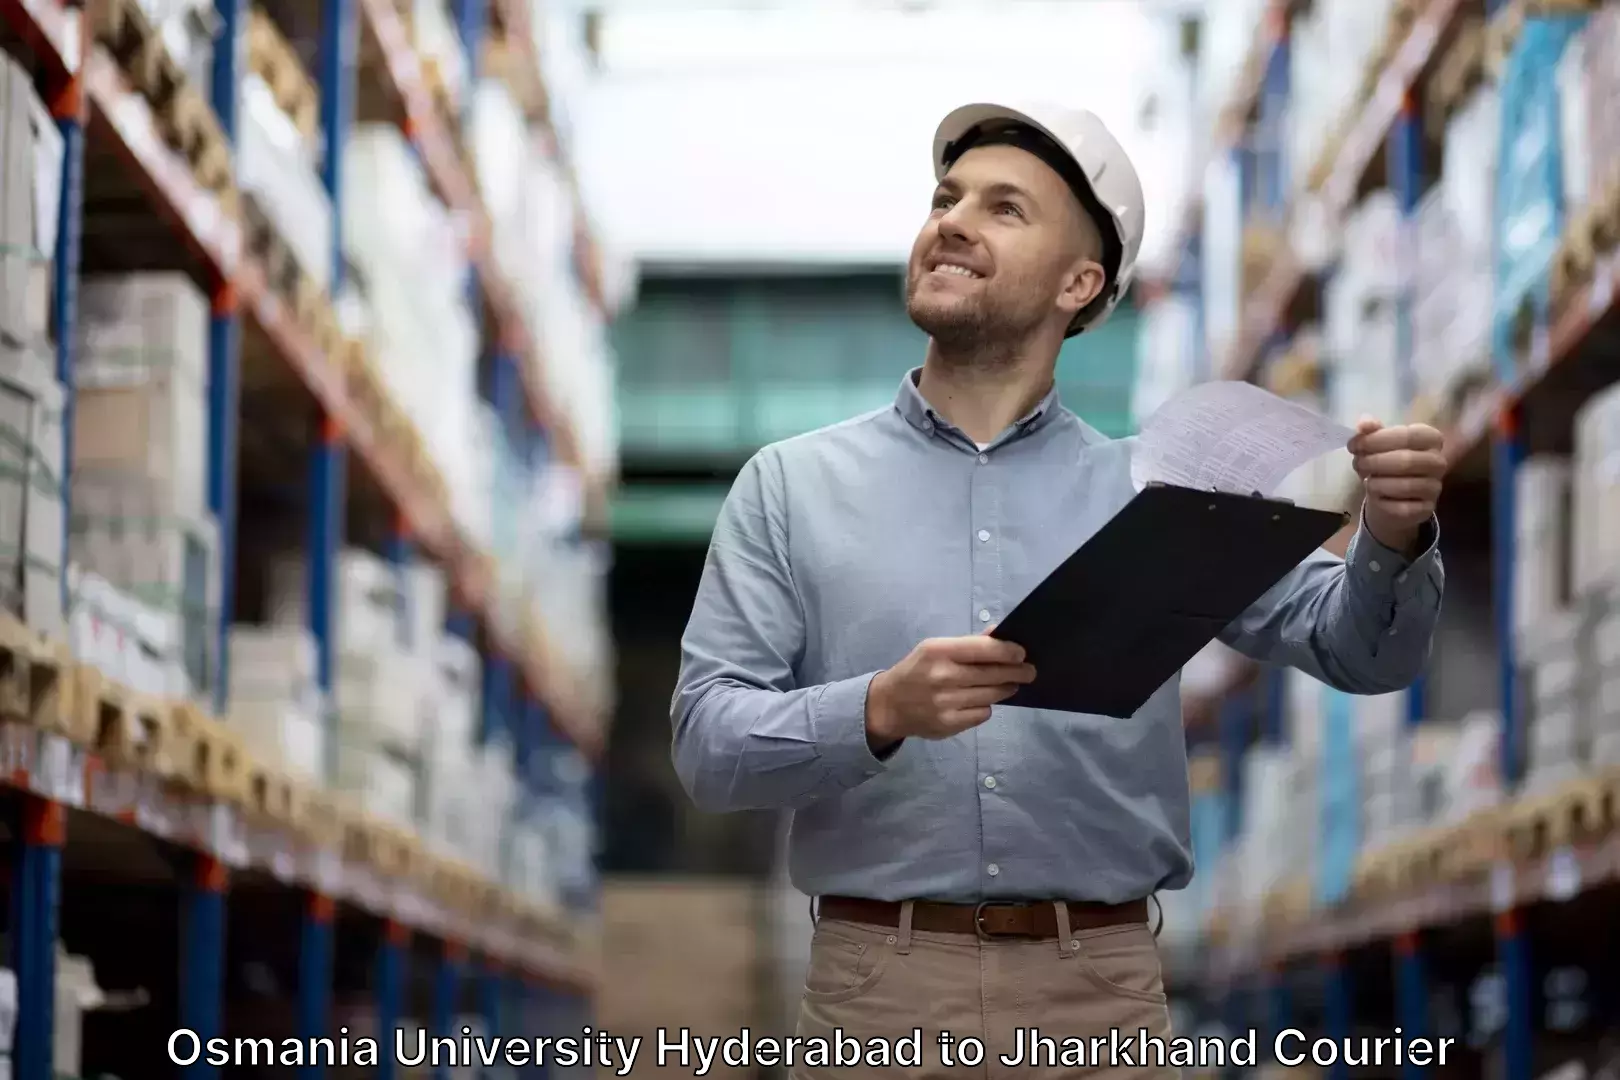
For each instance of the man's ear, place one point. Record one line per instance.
(1083, 284)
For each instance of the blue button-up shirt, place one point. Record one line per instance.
(838, 551)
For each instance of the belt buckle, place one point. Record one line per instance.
(979, 929)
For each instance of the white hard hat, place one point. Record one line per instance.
(1106, 182)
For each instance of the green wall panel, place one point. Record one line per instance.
(715, 367)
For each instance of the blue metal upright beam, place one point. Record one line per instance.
(471, 16)
(1507, 453)
(1404, 158)
(446, 994)
(1340, 1010)
(400, 554)
(1513, 950)
(1280, 1003)
(35, 892)
(1412, 997)
(224, 414)
(224, 352)
(489, 987)
(326, 499)
(315, 959)
(339, 62)
(202, 958)
(506, 394)
(391, 959)
(496, 697)
(69, 110)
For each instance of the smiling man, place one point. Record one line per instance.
(980, 869)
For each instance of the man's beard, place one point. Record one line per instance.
(972, 330)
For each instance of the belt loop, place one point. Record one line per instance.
(1065, 936)
(903, 944)
(1159, 925)
(815, 916)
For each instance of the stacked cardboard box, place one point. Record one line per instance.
(1542, 541)
(30, 186)
(1384, 741)
(1600, 80)
(1596, 495)
(1361, 333)
(32, 527)
(275, 699)
(1554, 653)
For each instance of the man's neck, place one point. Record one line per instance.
(983, 399)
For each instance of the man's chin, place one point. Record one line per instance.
(942, 317)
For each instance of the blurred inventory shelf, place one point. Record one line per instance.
(333, 728)
(1410, 210)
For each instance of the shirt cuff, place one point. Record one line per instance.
(840, 730)
(1389, 573)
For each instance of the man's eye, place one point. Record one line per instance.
(1009, 208)
(943, 202)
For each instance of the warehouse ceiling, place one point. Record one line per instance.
(791, 132)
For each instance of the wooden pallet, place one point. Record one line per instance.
(1502, 34)
(215, 764)
(1461, 70)
(1469, 848)
(35, 682)
(272, 795)
(1579, 811)
(308, 303)
(183, 116)
(322, 817)
(121, 26)
(1591, 233)
(272, 58)
(133, 731)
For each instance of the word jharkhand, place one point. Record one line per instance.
(600, 1050)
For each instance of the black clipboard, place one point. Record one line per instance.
(1150, 589)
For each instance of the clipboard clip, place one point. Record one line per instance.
(1217, 491)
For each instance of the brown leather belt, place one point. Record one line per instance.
(1036, 921)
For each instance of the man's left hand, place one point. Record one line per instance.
(1401, 470)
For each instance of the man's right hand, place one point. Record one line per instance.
(944, 686)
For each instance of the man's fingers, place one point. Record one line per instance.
(957, 720)
(1405, 437)
(996, 674)
(1401, 463)
(980, 649)
(977, 697)
(1404, 487)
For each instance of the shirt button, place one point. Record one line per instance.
(992, 869)
(1401, 577)
(1373, 566)
(928, 425)
(984, 459)
(984, 536)
(989, 781)
(984, 614)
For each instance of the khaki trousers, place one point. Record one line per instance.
(1081, 1006)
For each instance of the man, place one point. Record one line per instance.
(981, 869)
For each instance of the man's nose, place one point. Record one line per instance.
(956, 224)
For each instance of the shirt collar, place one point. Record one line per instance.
(919, 414)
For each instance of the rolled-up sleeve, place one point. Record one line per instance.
(1363, 624)
(746, 736)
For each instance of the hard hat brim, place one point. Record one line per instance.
(962, 120)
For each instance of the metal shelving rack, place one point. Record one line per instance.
(1570, 357)
(498, 964)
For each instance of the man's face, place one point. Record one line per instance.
(1006, 249)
